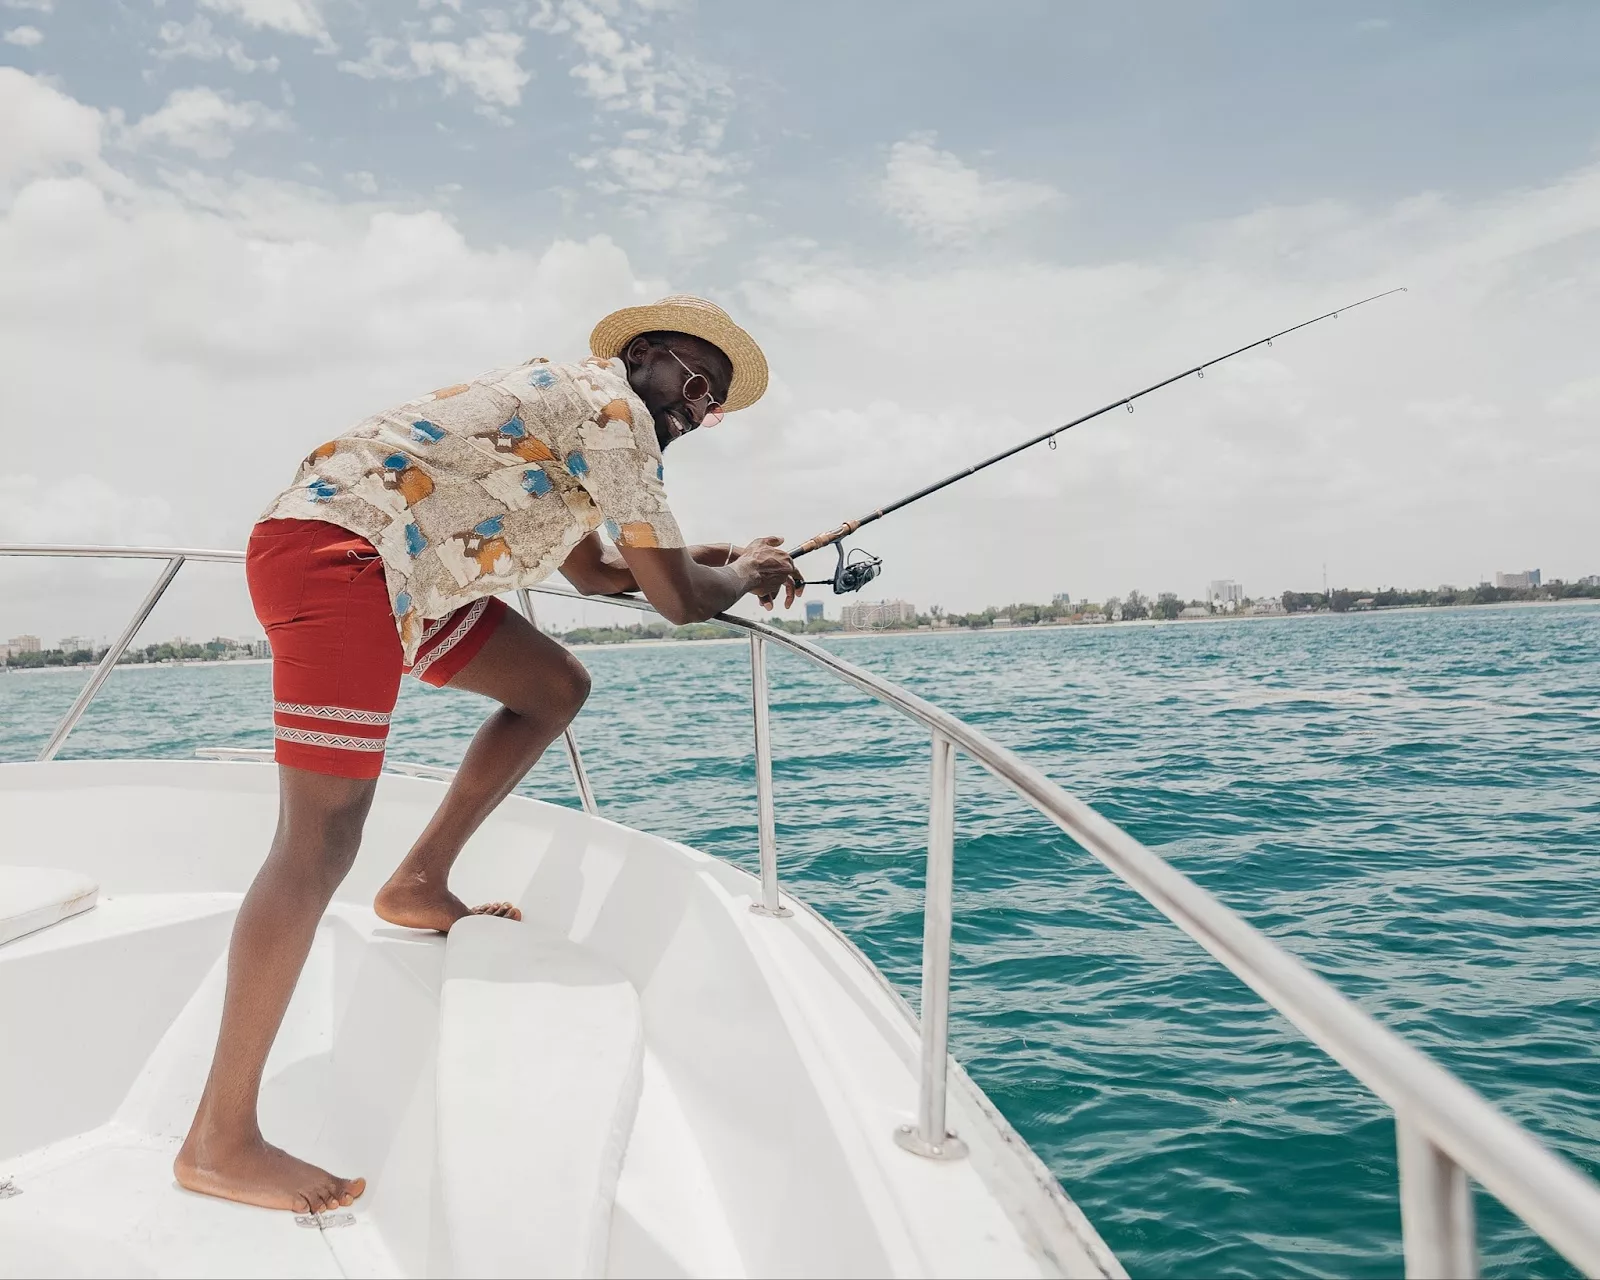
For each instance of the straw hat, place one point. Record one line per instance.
(685, 313)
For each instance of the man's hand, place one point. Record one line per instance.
(767, 561)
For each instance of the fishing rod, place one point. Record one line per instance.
(861, 567)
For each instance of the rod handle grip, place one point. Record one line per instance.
(826, 539)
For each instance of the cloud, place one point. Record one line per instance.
(32, 6)
(199, 40)
(78, 508)
(26, 37)
(47, 132)
(663, 124)
(942, 200)
(202, 121)
(290, 17)
(487, 65)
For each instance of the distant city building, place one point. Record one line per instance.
(1523, 581)
(72, 644)
(879, 613)
(1194, 611)
(813, 611)
(1592, 580)
(1224, 594)
(25, 644)
(260, 649)
(1062, 598)
(1267, 608)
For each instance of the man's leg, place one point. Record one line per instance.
(319, 830)
(540, 687)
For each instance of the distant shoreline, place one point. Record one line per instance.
(660, 642)
(1215, 618)
(139, 666)
(898, 633)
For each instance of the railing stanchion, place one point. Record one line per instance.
(580, 777)
(767, 833)
(929, 1136)
(109, 662)
(1436, 1216)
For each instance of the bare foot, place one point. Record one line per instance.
(260, 1173)
(419, 905)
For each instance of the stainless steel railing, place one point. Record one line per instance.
(175, 558)
(1446, 1132)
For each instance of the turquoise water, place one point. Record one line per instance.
(1409, 801)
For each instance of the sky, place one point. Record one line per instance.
(229, 228)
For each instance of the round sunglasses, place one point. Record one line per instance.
(698, 387)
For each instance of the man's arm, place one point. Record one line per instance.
(682, 590)
(595, 568)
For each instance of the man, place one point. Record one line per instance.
(385, 556)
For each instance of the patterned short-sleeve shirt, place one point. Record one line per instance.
(488, 485)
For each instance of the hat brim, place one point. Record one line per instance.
(749, 381)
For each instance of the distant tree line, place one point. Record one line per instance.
(1343, 600)
(54, 658)
(690, 631)
(165, 651)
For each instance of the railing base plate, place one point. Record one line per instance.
(952, 1148)
(775, 913)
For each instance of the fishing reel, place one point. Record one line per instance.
(852, 573)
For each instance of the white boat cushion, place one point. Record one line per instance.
(541, 1052)
(33, 897)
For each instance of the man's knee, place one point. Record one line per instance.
(571, 688)
(554, 690)
(323, 817)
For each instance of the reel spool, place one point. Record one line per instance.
(852, 574)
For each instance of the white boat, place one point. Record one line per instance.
(669, 1068)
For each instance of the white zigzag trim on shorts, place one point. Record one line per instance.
(431, 627)
(311, 738)
(349, 715)
(456, 636)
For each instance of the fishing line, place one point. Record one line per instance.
(852, 574)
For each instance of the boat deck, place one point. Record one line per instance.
(668, 1219)
(641, 1079)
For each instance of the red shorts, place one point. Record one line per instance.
(319, 591)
